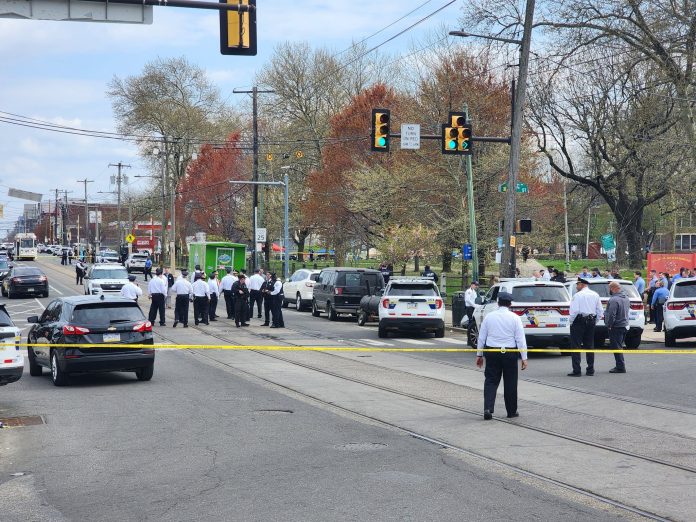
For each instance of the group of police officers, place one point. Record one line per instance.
(239, 292)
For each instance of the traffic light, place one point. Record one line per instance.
(238, 29)
(380, 130)
(524, 226)
(456, 135)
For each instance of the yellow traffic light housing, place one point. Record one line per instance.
(238, 29)
(380, 130)
(456, 135)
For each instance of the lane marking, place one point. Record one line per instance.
(451, 341)
(416, 342)
(55, 289)
(374, 343)
(40, 304)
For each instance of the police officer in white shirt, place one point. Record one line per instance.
(470, 299)
(184, 291)
(277, 297)
(226, 288)
(201, 293)
(130, 290)
(157, 289)
(254, 283)
(585, 311)
(503, 331)
(213, 285)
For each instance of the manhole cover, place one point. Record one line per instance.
(273, 411)
(18, 422)
(361, 446)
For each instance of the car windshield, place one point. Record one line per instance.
(4, 265)
(5, 318)
(603, 289)
(412, 290)
(112, 273)
(26, 243)
(106, 313)
(27, 271)
(539, 294)
(686, 289)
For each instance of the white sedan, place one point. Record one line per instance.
(299, 289)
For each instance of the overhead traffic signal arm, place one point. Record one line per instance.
(380, 130)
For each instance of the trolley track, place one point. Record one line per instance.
(424, 437)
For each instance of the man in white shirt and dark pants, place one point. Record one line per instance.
(226, 288)
(470, 299)
(201, 292)
(501, 330)
(157, 289)
(183, 290)
(213, 285)
(130, 290)
(255, 283)
(585, 311)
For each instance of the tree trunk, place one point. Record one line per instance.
(300, 239)
(416, 262)
(446, 261)
(634, 240)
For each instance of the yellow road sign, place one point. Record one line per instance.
(299, 154)
(269, 157)
(130, 238)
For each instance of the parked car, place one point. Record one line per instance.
(680, 311)
(108, 256)
(411, 304)
(136, 262)
(299, 289)
(636, 314)
(105, 278)
(5, 267)
(544, 307)
(339, 290)
(68, 322)
(25, 280)
(11, 359)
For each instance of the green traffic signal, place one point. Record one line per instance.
(382, 142)
(452, 144)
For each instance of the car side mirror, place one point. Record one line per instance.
(33, 319)
(479, 300)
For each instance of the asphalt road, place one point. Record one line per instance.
(204, 441)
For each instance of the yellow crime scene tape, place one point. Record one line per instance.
(278, 348)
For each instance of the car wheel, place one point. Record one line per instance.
(382, 332)
(298, 302)
(362, 318)
(10, 294)
(633, 341)
(330, 312)
(58, 376)
(145, 374)
(472, 333)
(35, 369)
(440, 332)
(315, 310)
(45, 294)
(670, 340)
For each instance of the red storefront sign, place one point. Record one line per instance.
(671, 262)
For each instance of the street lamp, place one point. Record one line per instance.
(286, 238)
(507, 265)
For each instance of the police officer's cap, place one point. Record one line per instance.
(131, 277)
(583, 281)
(505, 296)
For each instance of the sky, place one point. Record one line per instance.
(59, 71)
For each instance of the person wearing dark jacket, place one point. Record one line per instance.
(266, 289)
(616, 320)
(429, 273)
(241, 301)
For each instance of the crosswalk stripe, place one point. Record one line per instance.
(414, 341)
(374, 343)
(452, 341)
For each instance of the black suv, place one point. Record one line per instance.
(339, 290)
(69, 322)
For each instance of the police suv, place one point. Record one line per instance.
(544, 307)
(636, 314)
(680, 311)
(105, 279)
(411, 304)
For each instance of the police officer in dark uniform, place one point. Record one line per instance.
(241, 297)
(429, 273)
(266, 289)
(501, 330)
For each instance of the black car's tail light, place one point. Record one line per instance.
(143, 326)
(69, 329)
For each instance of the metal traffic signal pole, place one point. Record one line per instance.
(507, 265)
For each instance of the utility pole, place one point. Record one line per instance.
(55, 218)
(255, 169)
(472, 213)
(507, 266)
(119, 179)
(85, 181)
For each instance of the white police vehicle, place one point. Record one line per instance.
(680, 311)
(412, 304)
(105, 278)
(544, 307)
(11, 359)
(636, 314)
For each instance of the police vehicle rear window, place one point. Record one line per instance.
(114, 273)
(603, 290)
(685, 290)
(412, 290)
(97, 313)
(539, 294)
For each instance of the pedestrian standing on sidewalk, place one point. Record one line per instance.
(470, 297)
(585, 311)
(616, 319)
(255, 297)
(214, 287)
(130, 290)
(226, 289)
(184, 293)
(157, 290)
(64, 257)
(501, 330)
(241, 307)
(277, 304)
(201, 293)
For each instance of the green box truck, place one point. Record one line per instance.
(213, 255)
